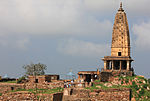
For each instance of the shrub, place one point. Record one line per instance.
(142, 91)
(120, 78)
(134, 85)
(121, 82)
(139, 77)
(149, 81)
(21, 79)
(145, 86)
(147, 93)
(127, 80)
(140, 82)
(134, 74)
(97, 80)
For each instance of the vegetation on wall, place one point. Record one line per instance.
(43, 91)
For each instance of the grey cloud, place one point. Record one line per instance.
(55, 17)
(82, 48)
(142, 32)
(14, 42)
(52, 17)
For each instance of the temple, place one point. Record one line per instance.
(120, 59)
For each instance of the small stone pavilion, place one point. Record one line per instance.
(119, 63)
(88, 76)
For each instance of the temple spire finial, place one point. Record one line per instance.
(120, 9)
(120, 4)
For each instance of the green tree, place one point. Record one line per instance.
(35, 69)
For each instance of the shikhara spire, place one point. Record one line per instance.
(120, 34)
(120, 59)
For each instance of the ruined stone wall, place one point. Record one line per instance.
(6, 87)
(104, 76)
(27, 96)
(18, 96)
(32, 79)
(97, 95)
(109, 76)
(43, 78)
(50, 85)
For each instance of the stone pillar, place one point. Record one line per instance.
(84, 76)
(105, 64)
(78, 76)
(112, 65)
(120, 65)
(128, 65)
(92, 77)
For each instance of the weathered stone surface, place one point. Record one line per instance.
(108, 84)
(27, 96)
(99, 95)
(6, 87)
(120, 35)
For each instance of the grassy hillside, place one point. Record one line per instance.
(139, 85)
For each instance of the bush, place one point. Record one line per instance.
(139, 77)
(134, 85)
(147, 93)
(140, 82)
(120, 78)
(145, 86)
(97, 80)
(142, 91)
(121, 82)
(21, 79)
(127, 80)
(149, 81)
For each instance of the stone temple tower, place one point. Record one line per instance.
(120, 37)
(120, 61)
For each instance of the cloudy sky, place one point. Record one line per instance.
(68, 34)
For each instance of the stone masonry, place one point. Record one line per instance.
(97, 95)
